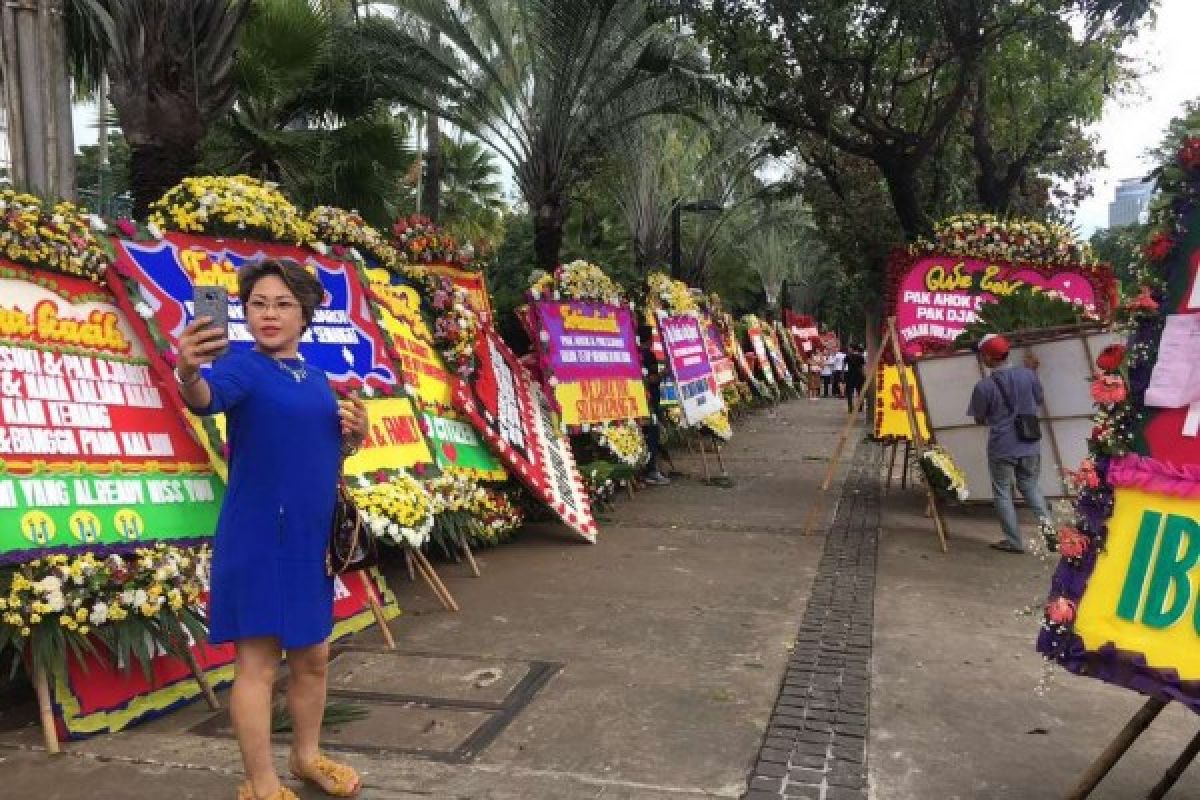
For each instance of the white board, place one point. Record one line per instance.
(1065, 372)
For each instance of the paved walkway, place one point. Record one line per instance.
(644, 667)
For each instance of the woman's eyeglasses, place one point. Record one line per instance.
(281, 307)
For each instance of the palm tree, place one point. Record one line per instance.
(170, 70)
(472, 196)
(784, 246)
(313, 111)
(545, 83)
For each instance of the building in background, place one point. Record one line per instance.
(1131, 202)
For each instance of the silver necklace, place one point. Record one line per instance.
(298, 373)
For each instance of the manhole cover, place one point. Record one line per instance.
(442, 707)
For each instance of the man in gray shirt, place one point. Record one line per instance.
(996, 402)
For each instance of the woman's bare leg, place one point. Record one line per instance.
(250, 710)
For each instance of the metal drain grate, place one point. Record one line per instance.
(441, 707)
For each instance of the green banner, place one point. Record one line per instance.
(54, 510)
(456, 444)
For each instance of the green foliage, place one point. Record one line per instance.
(1121, 248)
(313, 111)
(115, 176)
(1024, 310)
(545, 85)
(335, 714)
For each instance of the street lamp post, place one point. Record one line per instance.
(677, 207)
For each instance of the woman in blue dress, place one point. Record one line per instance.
(270, 593)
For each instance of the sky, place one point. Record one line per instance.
(1165, 53)
(1131, 125)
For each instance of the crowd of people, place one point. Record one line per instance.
(840, 374)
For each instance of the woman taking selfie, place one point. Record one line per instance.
(270, 593)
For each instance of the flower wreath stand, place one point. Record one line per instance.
(890, 341)
(414, 557)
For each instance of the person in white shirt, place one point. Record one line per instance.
(826, 374)
(839, 372)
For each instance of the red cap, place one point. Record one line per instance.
(994, 346)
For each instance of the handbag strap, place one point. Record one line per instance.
(1004, 394)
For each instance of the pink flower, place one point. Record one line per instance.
(1072, 542)
(1143, 302)
(1109, 389)
(1110, 358)
(170, 357)
(1060, 611)
(1086, 476)
(127, 227)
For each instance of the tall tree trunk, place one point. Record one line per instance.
(548, 219)
(431, 189)
(901, 178)
(37, 94)
(154, 167)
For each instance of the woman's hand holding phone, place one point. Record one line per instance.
(199, 344)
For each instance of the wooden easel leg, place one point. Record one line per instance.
(377, 610)
(1117, 748)
(905, 466)
(720, 460)
(409, 564)
(435, 583)
(887, 486)
(704, 457)
(466, 551)
(45, 710)
(201, 679)
(1176, 770)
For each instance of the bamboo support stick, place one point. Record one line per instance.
(1117, 747)
(201, 679)
(377, 610)
(435, 582)
(1176, 770)
(45, 710)
(466, 550)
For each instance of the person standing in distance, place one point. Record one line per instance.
(270, 593)
(839, 372)
(653, 380)
(856, 375)
(996, 401)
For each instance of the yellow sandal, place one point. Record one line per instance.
(345, 780)
(246, 792)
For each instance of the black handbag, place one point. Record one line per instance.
(351, 545)
(1027, 426)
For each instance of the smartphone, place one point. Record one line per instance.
(213, 301)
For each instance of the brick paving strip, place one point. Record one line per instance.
(816, 742)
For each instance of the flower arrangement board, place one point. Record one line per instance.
(687, 358)
(95, 696)
(891, 410)
(775, 353)
(590, 361)
(758, 345)
(804, 331)
(473, 281)
(455, 443)
(944, 384)
(722, 365)
(344, 340)
(501, 401)
(935, 296)
(1122, 602)
(93, 451)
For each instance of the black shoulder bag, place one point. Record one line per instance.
(1026, 425)
(351, 545)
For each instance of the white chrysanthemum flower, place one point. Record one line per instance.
(154, 230)
(320, 247)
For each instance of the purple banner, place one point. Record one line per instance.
(589, 341)
(686, 349)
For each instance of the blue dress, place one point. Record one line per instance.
(268, 570)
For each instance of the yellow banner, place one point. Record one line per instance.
(399, 314)
(394, 441)
(1142, 595)
(891, 418)
(591, 402)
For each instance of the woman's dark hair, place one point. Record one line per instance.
(303, 284)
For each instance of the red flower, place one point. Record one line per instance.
(1060, 611)
(127, 227)
(1189, 154)
(1072, 542)
(381, 477)
(1159, 246)
(1110, 358)
(1109, 389)
(1143, 302)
